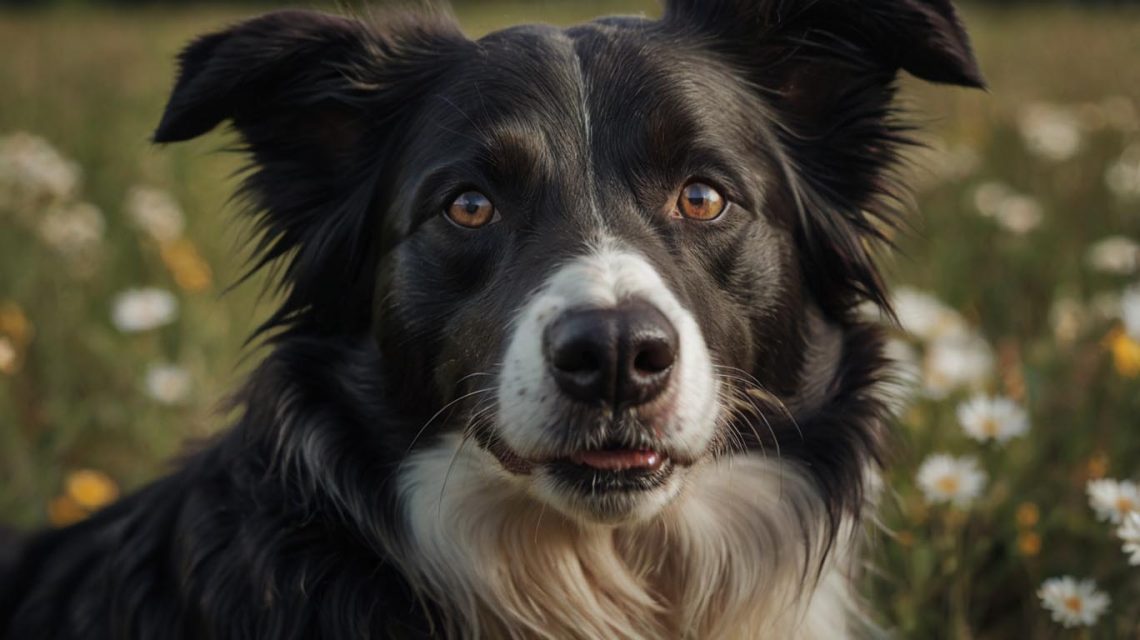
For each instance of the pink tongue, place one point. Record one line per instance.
(618, 460)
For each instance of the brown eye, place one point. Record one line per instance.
(699, 201)
(471, 209)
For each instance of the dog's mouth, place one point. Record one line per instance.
(612, 469)
(611, 466)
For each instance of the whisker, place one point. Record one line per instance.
(441, 410)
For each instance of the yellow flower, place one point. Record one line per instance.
(1029, 544)
(91, 489)
(1098, 466)
(1028, 515)
(905, 538)
(14, 324)
(62, 511)
(1125, 352)
(184, 262)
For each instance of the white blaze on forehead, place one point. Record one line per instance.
(530, 404)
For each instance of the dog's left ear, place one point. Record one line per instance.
(827, 68)
(318, 100)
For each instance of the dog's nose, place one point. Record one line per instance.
(621, 357)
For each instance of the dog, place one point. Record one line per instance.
(569, 344)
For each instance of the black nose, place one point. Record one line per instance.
(621, 357)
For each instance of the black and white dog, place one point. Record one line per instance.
(568, 344)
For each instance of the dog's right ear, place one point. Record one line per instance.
(318, 101)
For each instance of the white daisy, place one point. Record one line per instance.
(1050, 132)
(989, 196)
(1117, 255)
(959, 360)
(143, 309)
(1130, 311)
(73, 229)
(944, 478)
(1129, 533)
(1019, 214)
(32, 172)
(924, 316)
(992, 418)
(1113, 499)
(168, 383)
(1073, 603)
(1123, 176)
(156, 212)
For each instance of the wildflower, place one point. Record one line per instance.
(9, 358)
(190, 271)
(167, 383)
(992, 418)
(960, 360)
(62, 511)
(1113, 499)
(1069, 319)
(33, 172)
(1050, 132)
(1123, 176)
(1028, 515)
(1125, 353)
(155, 212)
(924, 316)
(14, 323)
(1073, 603)
(1028, 544)
(1129, 533)
(91, 489)
(73, 229)
(1097, 466)
(1015, 211)
(143, 309)
(944, 478)
(1019, 214)
(989, 196)
(1130, 312)
(1115, 255)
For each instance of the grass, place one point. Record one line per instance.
(93, 83)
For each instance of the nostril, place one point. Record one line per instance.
(654, 356)
(576, 359)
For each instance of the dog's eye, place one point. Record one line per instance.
(471, 209)
(699, 201)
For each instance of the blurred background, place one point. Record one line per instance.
(1018, 288)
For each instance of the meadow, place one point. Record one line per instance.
(1017, 293)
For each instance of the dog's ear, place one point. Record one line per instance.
(828, 69)
(317, 100)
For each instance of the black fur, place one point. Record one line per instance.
(358, 133)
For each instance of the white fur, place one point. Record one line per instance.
(728, 559)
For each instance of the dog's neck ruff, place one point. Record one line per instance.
(737, 556)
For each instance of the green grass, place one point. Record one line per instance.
(93, 84)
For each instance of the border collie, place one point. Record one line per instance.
(568, 343)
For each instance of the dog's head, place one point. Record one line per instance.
(598, 252)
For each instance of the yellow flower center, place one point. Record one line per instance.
(1125, 505)
(1074, 604)
(948, 484)
(990, 427)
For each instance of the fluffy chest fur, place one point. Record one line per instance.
(741, 556)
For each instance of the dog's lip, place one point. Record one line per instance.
(611, 458)
(619, 459)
